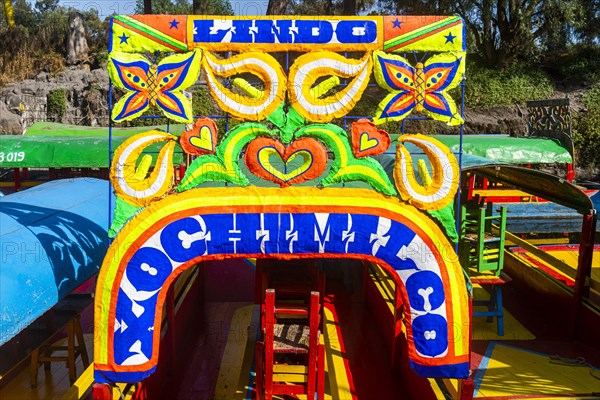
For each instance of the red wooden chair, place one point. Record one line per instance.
(290, 360)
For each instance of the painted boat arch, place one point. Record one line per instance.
(177, 232)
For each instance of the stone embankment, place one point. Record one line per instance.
(83, 93)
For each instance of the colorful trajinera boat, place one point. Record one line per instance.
(299, 256)
(289, 139)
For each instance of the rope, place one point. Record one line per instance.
(575, 362)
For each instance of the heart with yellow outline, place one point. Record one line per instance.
(201, 139)
(261, 153)
(367, 139)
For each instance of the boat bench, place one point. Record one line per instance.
(36, 340)
(65, 315)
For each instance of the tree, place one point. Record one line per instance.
(212, 7)
(331, 7)
(24, 14)
(349, 7)
(8, 12)
(183, 7)
(505, 31)
(163, 7)
(77, 46)
(589, 29)
(46, 6)
(275, 7)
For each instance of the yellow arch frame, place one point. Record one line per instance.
(145, 227)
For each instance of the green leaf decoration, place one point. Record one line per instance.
(346, 167)
(287, 123)
(223, 166)
(123, 212)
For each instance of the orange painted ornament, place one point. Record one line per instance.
(305, 159)
(367, 140)
(201, 139)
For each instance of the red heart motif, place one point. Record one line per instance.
(312, 153)
(367, 140)
(201, 139)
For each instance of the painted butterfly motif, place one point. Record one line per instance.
(149, 84)
(422, 87)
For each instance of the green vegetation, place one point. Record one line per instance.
(580, 63)
(488, 87)
(56, 104)
(203, 7)
(586, 130)
(37, 42)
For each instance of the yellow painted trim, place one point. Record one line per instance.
(82, 385)
(501, 193)
(365, 199)
(553, 262)
(384, 283)
(22, 184)
(232, 364)
(334, 360)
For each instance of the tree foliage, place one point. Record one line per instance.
(38, 40)
(184, 7)
(212, 7)
(319, 7)
(506, 31)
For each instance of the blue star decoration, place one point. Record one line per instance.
(397, 24)
(450, 38)
(124, 38)
(174, 24)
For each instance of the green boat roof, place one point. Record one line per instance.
(53, 145)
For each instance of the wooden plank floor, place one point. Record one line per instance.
(513, 371)
(52, 384)
(222, 362)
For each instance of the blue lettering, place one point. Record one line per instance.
(356, 31)
(202, 32)
(281, 29)
(148, 269)
(284, 31)
(267, 31)
(242, 31)
(315, 32)
(184, 239)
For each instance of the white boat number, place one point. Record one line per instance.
(12, 156)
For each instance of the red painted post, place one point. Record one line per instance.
(181, 172)
(171, 326)
(584, 271)
(17, 174)
(471, 187)
(269, 338)
(467, 386)
(570, 172)
(101, 391)
(398, 303)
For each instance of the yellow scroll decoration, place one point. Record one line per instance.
(258, 104)
(309, 68)
(436, 193)
(130, 181)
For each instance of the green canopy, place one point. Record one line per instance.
(52, 145)
(508, 149)
(61, 130)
